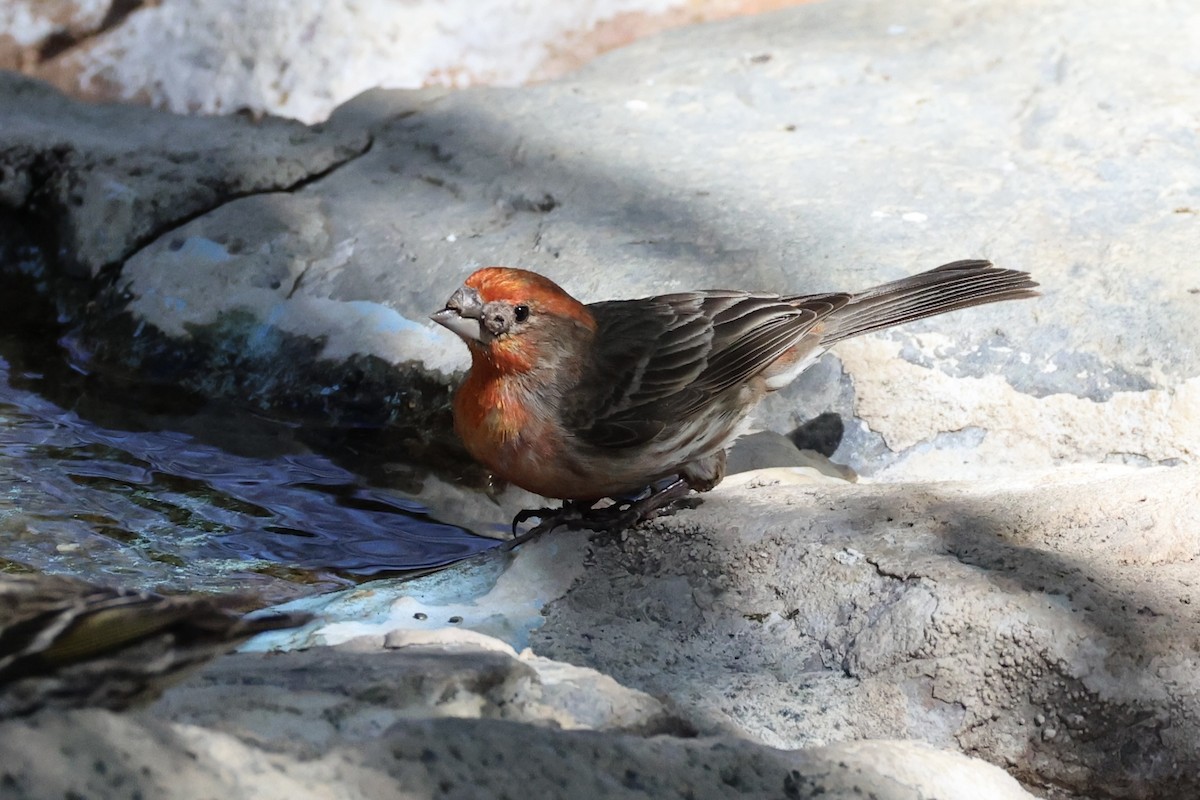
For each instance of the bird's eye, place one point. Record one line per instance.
(521, 313)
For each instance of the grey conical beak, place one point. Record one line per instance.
(462, 314)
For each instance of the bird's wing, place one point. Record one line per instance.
(49, 623)
(659, 360)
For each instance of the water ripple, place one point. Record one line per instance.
(163, 508)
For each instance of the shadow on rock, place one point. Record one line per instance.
(1040, 623)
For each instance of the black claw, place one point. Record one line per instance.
(532, 533)
(531, 513)
(550, 518)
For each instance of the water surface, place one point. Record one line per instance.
(142, 485)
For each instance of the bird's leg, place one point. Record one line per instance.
(582, 515)
(619, 516)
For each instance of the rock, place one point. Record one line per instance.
(33, 32)
(108, 179)
(1037, 617)
(328, 696)
(100, 755)
(495, 594)
(1039, 622)
(304, 58)
(610, 185)
(454, 710)
(959, 614)
(767, 450)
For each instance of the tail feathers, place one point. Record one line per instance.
(960, 284)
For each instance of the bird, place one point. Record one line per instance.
(68, 643)
(589, 402)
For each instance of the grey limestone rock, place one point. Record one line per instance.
(1036, 618)
(829, 146)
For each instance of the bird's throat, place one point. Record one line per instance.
(501, 357)
(489, 405)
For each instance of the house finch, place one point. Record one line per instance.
(65, 643)
(584, 402)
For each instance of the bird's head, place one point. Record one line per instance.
(510, 316)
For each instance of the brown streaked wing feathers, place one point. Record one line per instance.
(659, 360)
(47, 622)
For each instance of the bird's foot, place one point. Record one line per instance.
(624, 514)
(620, 515)
(567, 516)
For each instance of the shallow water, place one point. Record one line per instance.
(142, 486)
(162, 508)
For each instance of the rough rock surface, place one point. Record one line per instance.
(456, 758)
(1044, 622)
(108, 179)
(748, 152)
(462, 717)
(242, 54)
(330, 695)
(1041, 620)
